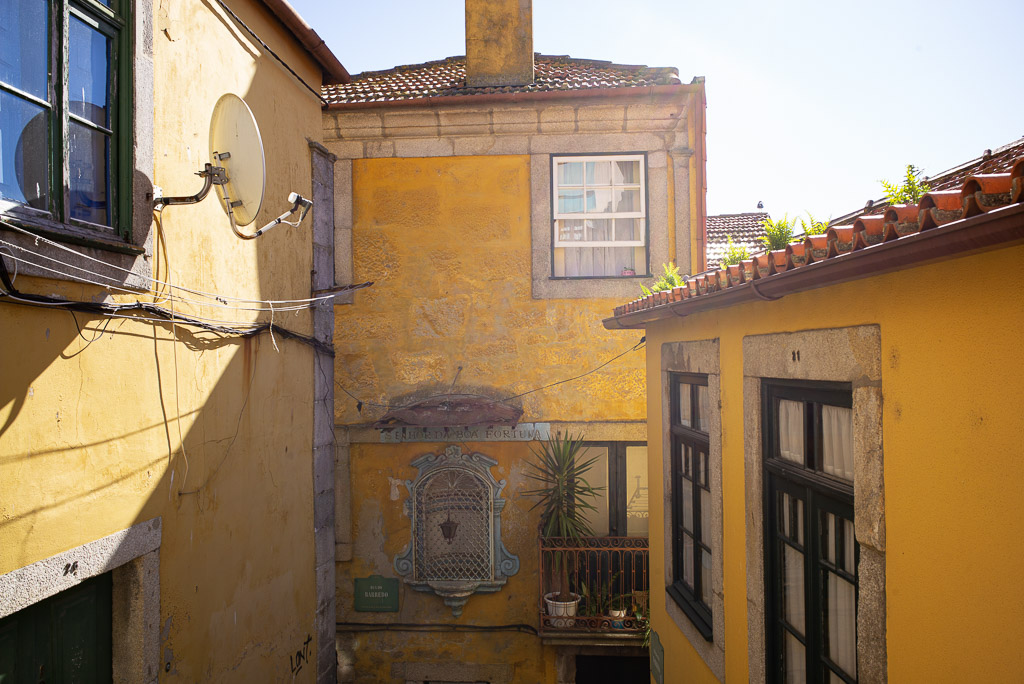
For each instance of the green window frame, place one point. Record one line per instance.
(70, 77)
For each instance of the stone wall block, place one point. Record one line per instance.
(649, 117)
(410, 123)
(358, 125)
(423, 147)
(595, 142)
(464, 122)
(346, 149)
(601, 119)
(558, 120)
(379, 148)
(488, 144)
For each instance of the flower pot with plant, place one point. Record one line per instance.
(563, 495)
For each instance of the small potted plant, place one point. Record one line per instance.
(563, 495)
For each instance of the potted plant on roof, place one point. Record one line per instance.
(563, 495)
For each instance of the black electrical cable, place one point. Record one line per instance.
(273, 54)
(101, 309)
(432, 627)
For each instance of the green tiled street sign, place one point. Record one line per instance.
(376, 594)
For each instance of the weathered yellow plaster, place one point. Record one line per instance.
(952, 387)
(118, 425)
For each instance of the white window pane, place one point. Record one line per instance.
(599, 201)
(570, 230)
(599, 230)
(837, 441)
(570, 173)
(570, 201)
(597, 476)
(629, 230)
(684, 404)
(627, 172)
(688, 505)
(688, 560)
(796, 661)
(599, 173)
(793, 587)
(636, 491)
(842, 624)
(627, 200)
(702, 405)
(791, 430)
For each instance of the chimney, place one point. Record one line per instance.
(499, 42)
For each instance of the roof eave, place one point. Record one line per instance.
(646, 93)
(310, 40)
(998, 228)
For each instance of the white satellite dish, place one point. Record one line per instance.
(235, 142)
(237, 166)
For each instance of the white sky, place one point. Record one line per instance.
(809, 103)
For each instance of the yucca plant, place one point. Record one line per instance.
(778, 233)
(563, 496)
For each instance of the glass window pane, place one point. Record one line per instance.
(636, 491)
(702, 404)
(89, 154)
(599, 201)
(599, 230)
(791, 430)
(24, 155)
(629, 230)
(828, 537)
(24, 43)
(799, 523)
(627, 172)
(793, 587)
(627, 200)
(688, 560)
(837, 441)
(570, 230)
(570, 173)
(570, 201)
(88, 73)
(841, 643)
(688, 505)
(704, 470)
(597, 476)
(796, 661)
(687, 466)
(685, 412)
(783, 514)
(705, 577)
(849, 539)
(705, 516)
(599, 173)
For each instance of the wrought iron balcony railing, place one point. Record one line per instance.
(605, 580)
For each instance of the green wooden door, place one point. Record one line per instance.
(65, 639)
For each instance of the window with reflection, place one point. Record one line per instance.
(811, 549)
(600, 216)
(61, 119)
(621, 506)
(691, 499)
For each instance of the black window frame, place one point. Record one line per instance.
(115, 22)
(699, 442)
(618, 489)
(820, 493)
(647, 215)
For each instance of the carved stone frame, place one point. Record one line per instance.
(503, 564)
(841, 355)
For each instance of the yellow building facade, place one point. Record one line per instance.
(926, 377)
(175, 464)
(444, 200)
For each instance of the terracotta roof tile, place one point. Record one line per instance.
(447, 78)
(745, 229)
(998, 192)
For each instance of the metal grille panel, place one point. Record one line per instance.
(464, 499)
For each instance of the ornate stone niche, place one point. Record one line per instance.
(456, 550)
